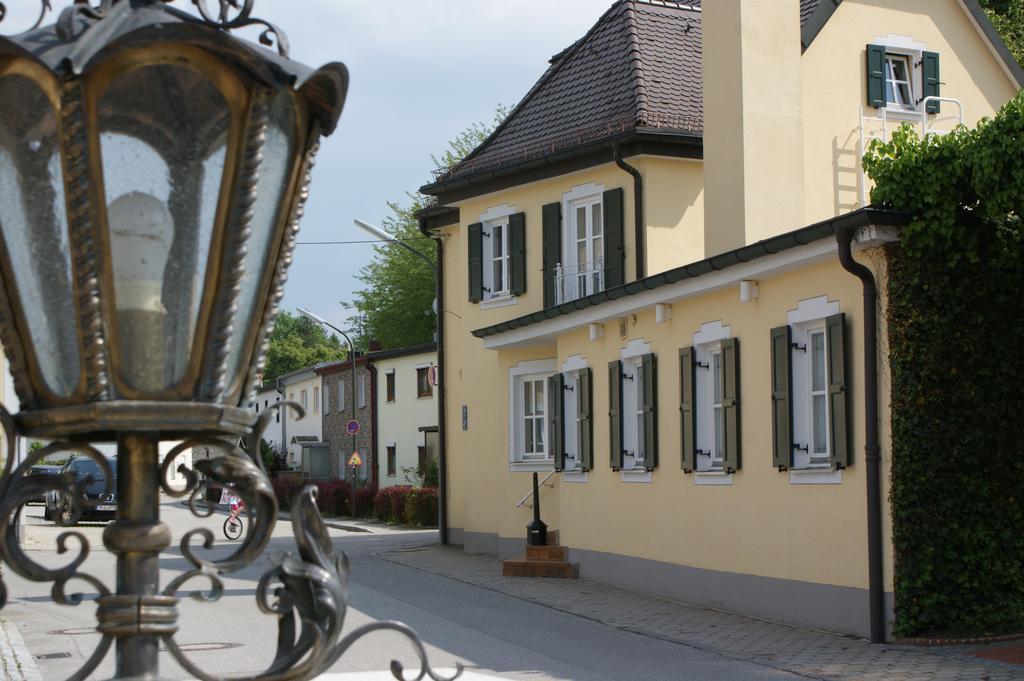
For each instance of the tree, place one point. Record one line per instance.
(1008, 18)
(299, 342)
(396, 305)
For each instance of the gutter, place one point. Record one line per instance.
(872, 451)
(639, 233)
(442, 435)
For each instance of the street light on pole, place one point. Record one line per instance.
(352, 358)
(129, 315)
(442, 463)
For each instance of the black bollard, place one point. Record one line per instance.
(536, 531)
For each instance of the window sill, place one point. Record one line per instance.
(636, 475)
(424, 397)
(531, 466)
(712, 478)
(576, 476)
(503, 300)
(815, 476)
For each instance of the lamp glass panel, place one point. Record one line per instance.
(271, 192)
(163, 137)
(33, 221)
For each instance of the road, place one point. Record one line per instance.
(488, 632)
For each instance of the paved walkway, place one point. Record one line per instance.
(16, 662)
(813, 654)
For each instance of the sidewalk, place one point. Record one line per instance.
(16, 662)
(814, 654)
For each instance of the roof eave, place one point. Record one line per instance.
(685, 143)
(865, 217)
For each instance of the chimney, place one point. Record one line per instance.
(374, 346)
(753, 127)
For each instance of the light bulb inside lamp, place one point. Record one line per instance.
(141, 234)
(141, 231)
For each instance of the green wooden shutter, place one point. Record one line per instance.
(876, 76)
(615, 413)
(476, 262)
(552, 247)
(839, 435)
(556, 420)
(731, 404)
(687, 411)
(585, 425)
(517, 253)
(649, 365)
(614, 238)
(930, 78)
(782, 403)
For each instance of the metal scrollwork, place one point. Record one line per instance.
(17, 489)
(234, 14)
(230, 15)
(44, 7)
(306, 591)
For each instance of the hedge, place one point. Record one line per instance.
(956, 330)
(415, 506)
(334, 498)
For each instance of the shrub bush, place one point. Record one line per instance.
(285, 489)
(421, 507)
(956, 326)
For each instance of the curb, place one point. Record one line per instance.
(968, 641)
(16, 662)
(284, 515)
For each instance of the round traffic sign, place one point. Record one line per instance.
(352, 427)
(432, 375)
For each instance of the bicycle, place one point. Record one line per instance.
(234, 525)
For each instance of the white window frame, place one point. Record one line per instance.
(341, 395)
(304, 399)
(571, 371)
(361, 403)
(707, 344)
(584, 195)
(904, 47)
(632, 356)
(807, 319)
(325, 394)
(518, 374)
(496, 216)
(316, 401)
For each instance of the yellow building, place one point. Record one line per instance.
(658, 283)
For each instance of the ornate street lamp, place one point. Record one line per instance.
(153, 170)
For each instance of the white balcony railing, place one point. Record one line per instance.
(576, 281)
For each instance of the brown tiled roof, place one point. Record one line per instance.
(639, 66)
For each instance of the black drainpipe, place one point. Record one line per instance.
(872, 451)
(638, 211)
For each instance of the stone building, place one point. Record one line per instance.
(348, 397)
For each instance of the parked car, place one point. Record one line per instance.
(99, 504)
(41, 469)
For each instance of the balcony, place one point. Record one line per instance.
(577, 281)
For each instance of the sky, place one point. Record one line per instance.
(421, 72)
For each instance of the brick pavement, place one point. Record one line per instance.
(813, 654)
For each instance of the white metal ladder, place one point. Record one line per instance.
(881, 129)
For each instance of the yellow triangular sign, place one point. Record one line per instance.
(355, 460)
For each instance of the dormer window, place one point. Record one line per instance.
(898, 89)
(901, 75)
(497, 257)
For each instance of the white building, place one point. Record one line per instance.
(305, 387)
(266, 397)
(406, 411)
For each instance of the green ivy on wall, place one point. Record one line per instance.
(956, 327)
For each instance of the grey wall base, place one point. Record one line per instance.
(820, 606)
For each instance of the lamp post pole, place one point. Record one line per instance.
(352, 358)
(442, 467)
